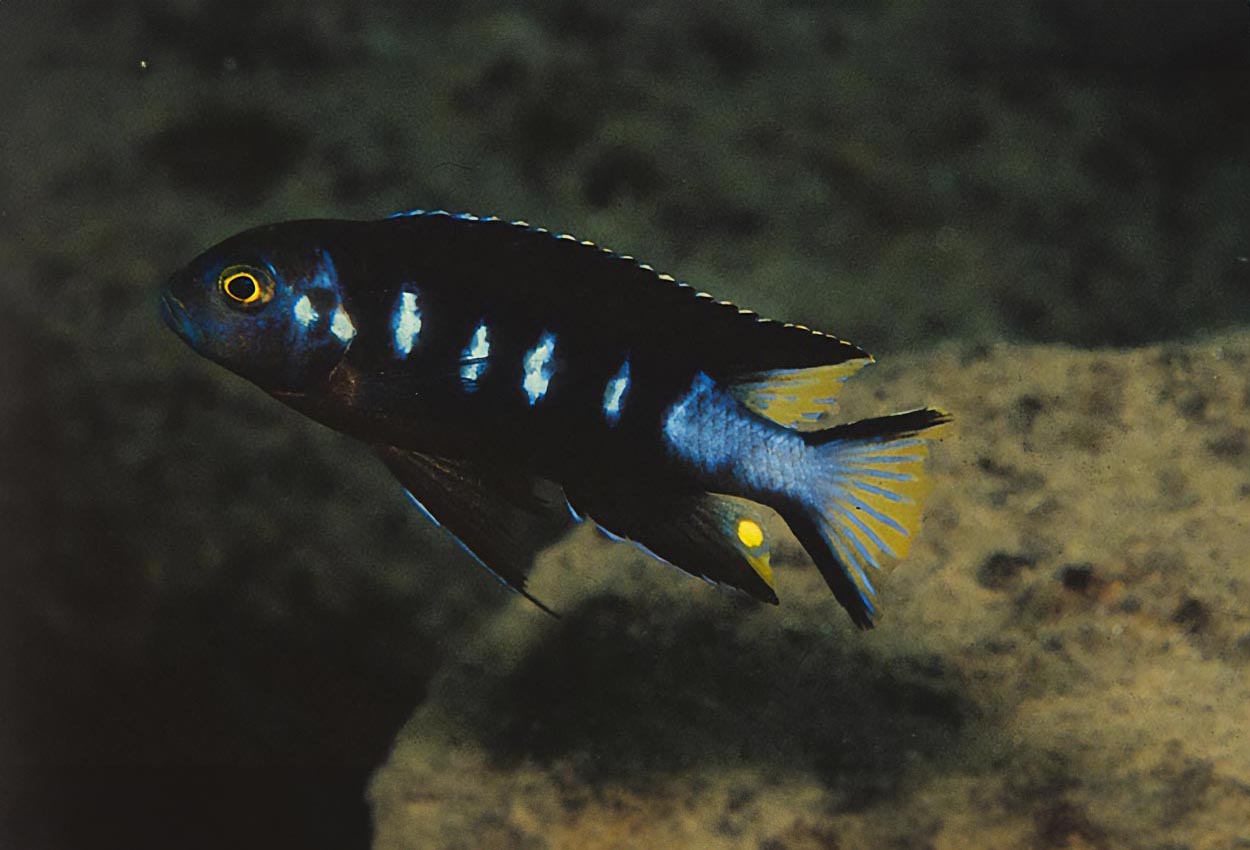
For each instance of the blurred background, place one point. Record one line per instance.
(194, 579)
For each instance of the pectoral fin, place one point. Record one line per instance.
(718, 538)
(502, 520)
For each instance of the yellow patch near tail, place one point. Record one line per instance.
(799, 399)
(874, 503)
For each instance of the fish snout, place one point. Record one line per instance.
(174, 314)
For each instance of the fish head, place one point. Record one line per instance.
(266, 304)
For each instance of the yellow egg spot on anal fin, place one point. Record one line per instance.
(750, 533)
(698, 533)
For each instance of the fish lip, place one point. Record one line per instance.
(174, 313)
(287, 396)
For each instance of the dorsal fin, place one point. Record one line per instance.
(801, 399)
(526, 270)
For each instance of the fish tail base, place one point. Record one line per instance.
(862, 501)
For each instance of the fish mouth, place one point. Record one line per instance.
(174, 313)
(287, 396)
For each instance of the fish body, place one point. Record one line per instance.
(516, 381)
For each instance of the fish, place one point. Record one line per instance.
(518, 381)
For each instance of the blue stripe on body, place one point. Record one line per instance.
(538, 367)
(614, 394)
(406, 323)
(474, 357)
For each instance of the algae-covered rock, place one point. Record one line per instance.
(1060, 662)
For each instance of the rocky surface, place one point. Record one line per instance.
(1062, 662)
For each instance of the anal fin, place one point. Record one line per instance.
(799, 399)
(502, 520)
(718, 538)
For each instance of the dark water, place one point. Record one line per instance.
(214, 616)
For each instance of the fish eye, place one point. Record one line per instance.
(246, 286)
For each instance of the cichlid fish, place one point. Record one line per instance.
(517, 381)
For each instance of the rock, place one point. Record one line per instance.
(661, 712)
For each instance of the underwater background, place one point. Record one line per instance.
(222, 625)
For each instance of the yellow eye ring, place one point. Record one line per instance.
(246, 286)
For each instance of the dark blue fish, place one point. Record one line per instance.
(516, 381)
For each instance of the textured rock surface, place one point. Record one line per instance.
(1062, 661)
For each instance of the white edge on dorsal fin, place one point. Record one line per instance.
(667, 278)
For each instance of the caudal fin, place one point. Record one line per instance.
(861, 507)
